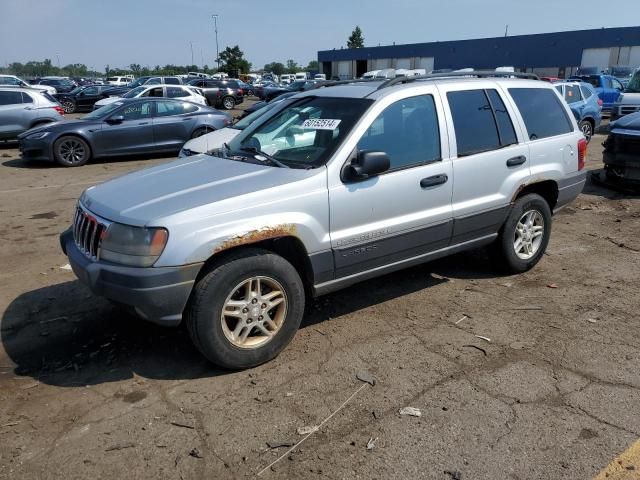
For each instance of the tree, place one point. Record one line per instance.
(135, 68)
(356, 40)
(313, 66)
(234, 61)
(276, 68)
(292, 66)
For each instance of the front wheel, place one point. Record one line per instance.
(71, 151)
(201, 131)
(525, 234)
(246, 310)
(68, 106)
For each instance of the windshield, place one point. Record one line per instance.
(634, 84)
(305, 133)
(252, 117)
(621, 71)
(138, 82)
(297, 85)
(134, 93)
(102, 112)
(76, 90)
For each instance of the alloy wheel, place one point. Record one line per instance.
(68, 107)
(254, 312)
(72, 151)
(586, 129)
(529, 234)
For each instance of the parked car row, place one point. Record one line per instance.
(26, 108)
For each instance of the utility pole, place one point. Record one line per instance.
(58, 55)
(191, 43)
(215, 23)
(506, 30)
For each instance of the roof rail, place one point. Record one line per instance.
(333, 83)
(476, 73)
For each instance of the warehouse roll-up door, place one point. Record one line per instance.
(596, 57)
(381, 63)
(403, 63)
(344, 70)
(634, 57)
(425, 62)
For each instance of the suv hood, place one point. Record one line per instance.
(629, 98)
(627, 124)
(147, 196)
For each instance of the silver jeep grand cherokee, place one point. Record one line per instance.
(341, 184)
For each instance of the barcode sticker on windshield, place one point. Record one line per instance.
(321, 123)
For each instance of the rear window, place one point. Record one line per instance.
(572, 94)
(543, 114)
(172, 81)
(481, 121)
(586, 93)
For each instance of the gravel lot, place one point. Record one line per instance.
(89, 392)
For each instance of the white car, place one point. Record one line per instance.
(13, 81)
(120, 81)
(183, 92)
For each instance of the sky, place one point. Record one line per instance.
(159, 32)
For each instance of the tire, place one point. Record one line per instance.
(239, 341)
(250, 93)
(201, 131)
(228, 103)
(536, 234)
(71, 151)
(68, 106)
(586, 127)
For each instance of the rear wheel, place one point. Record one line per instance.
(201, 131)
(228, 103)
(71, 151)
(586, 128)
(246, 310)
(525, 234)
(68, 106)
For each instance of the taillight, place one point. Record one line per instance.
(582, 152)
(240, 92)
(600, 102)
(59, 110)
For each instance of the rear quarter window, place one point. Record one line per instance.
(543, 114)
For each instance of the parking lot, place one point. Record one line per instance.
(532, 376)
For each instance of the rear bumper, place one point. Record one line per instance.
(158, 295)
(569, 188)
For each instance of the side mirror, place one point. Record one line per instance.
(367, 164)
(115, 120)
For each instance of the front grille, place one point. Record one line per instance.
(628, 144)
(628, 110)
(87, 232)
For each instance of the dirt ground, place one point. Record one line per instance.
(551, 392)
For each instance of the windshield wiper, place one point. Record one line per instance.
(259, 153)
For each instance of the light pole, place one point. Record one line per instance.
(191, 43)
(58, 55)
(215, 23)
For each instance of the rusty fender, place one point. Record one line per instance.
(254, 236)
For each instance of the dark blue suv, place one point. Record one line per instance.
(584, 103)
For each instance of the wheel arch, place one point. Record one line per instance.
(72, 134)
(288, 247)
(547, 189)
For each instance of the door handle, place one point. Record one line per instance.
(434, 180)
(515, 161)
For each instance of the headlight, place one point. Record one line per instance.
(37, 135)
(133, 246)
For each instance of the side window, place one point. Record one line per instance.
(136, 111)
(176, 92)
(572, 93)
(503, 120)
(586, 93)
(166, 109)
(153, 81)
(91, 91)
(26, 98)
(171, 81)
(617, 84)
(559, 88)
(473, 122)
(153, 92)
(543, 114)
(10, 98)
(407, 131)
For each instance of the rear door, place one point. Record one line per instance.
(14, 115)
(87, 97)
(406, 211)
(133, 135)
(489, 156)
(173, 124)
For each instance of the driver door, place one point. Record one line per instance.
(134, 135)
(406, 211)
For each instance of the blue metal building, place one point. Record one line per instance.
(550, 54)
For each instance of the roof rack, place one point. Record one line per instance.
(333, 83)
(476, 73)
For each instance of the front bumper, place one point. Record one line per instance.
(35, 149)
(158, 295)
(570, 187)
